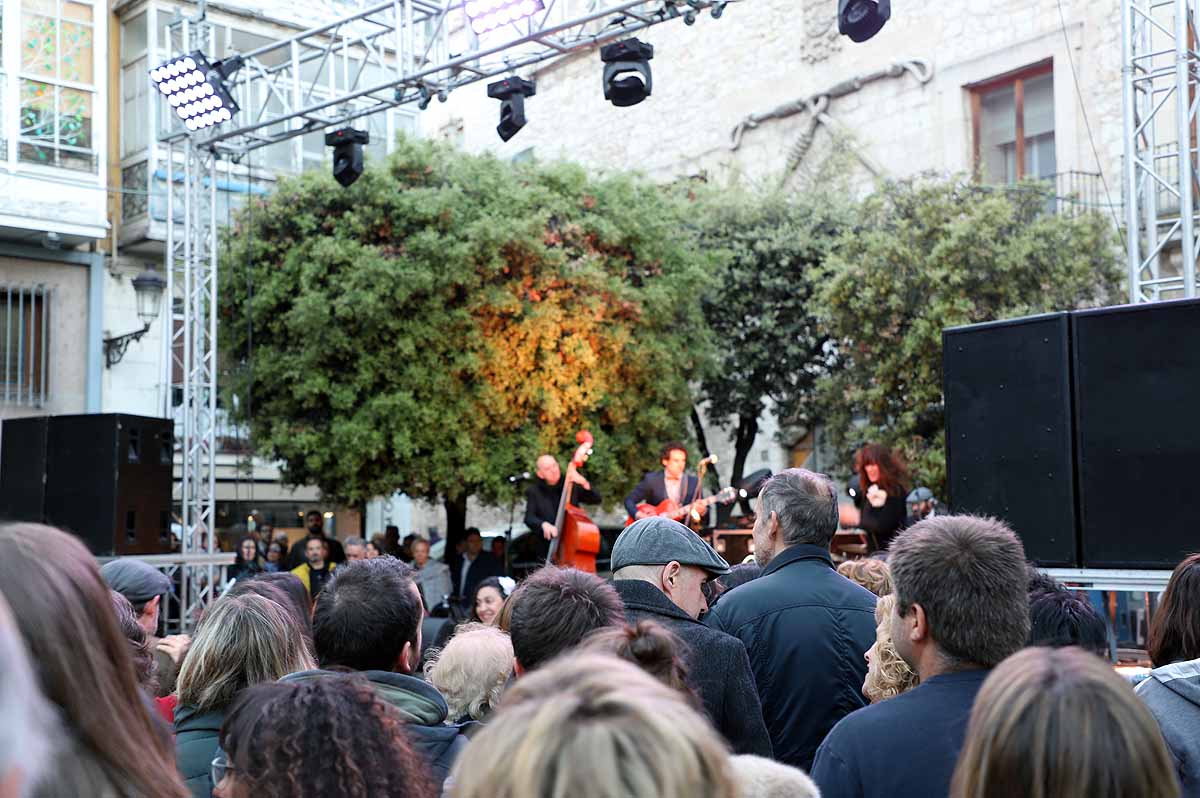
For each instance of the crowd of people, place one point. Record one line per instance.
(950, 668)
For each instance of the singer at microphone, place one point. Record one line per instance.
(542, 499)
(669, 483)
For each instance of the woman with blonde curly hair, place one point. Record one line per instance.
(1060, 723)
(594, 726)
(471, 671)
(871, 573)
(888, 675)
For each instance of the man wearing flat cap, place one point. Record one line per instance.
(659, 567)
(144, 586)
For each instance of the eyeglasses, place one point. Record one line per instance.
(220, 768)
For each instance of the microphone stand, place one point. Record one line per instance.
(508, 534)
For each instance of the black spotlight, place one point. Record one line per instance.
(511, 92)
(862, 19)
(627, 79)
(347, 146)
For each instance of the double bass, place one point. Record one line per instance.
(578, 539)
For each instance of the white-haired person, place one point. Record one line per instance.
(471, 671)
(888, 675)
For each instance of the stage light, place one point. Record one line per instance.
(511, 92)
(487, 15)
(862, 19)
(195, 89)
(627, 78)
(347, 146)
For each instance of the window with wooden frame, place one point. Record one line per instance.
(1012, 125)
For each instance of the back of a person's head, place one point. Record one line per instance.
(1062, 618)
(555, 608)
(650, 646)
(888, 675)
(366, 614)
(28, 730)
(1042, 582)
(969, 576)
(1175, 628)
(62, 608)
(593, 726)
(286, 590)
(471, 671)
(1060, 723)
(805, 503)
(139, 645)
(738, 575)
(871, 573)
(242, 641)
(759, 777)
(325, 738)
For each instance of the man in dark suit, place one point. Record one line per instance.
(542, 499)
(670, 483)
(473, 566)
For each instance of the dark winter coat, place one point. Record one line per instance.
(196, 744)
(1172, 694)
(424, 710)
(806, 629)
(717, 664)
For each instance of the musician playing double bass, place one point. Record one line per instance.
(670, 483)
(543, 496)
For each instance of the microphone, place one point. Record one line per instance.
(522, 477)
(712, 459)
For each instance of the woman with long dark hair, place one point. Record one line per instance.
(1172, 692)
(247, 562)
(112, 746)
(882, 482)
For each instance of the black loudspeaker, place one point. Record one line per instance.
(107, 478)
(1137, 378)
(23, 468)
(1009, 430)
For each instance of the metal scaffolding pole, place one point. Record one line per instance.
(395, 53)
(1161, 70)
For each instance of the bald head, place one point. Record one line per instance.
(548, 470)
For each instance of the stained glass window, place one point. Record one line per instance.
(57, 84)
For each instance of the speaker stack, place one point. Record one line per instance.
(1078, 430)
(105, 477)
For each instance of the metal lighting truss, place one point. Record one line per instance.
(1160, 77)
(391, 54)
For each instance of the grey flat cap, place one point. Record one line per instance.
(658, 541)
(135, 580)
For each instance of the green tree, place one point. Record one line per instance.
(771, 347)
(929, 254)
(449, 317)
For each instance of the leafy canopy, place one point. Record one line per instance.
(449, 317)
(929, 254)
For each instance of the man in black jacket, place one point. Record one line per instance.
(368, 619)
(542, 499)
(475, 565)
(670, 483)
(659, 567)
(805, 627)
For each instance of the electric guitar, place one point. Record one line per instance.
(694, 511)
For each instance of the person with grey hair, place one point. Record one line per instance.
(355, 548)
(659, 570)
(805, 626)
(28, 729)
(961, 608)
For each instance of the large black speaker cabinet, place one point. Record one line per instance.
(1137, 394)
(23, 468)
(1009, 430)
(107, 479)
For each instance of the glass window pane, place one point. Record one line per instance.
(997, 133)
(77, 60)
(77, 12)
(39, 43)
(133, 38)
(1039, 105)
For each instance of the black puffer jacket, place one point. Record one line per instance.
(422, 707)
(806, 629)
(717, 666)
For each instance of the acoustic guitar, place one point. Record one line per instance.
(578, 539)
(694, 511)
